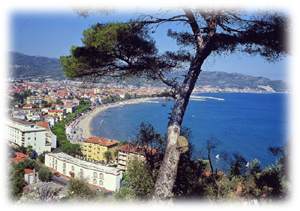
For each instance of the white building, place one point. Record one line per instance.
(30, 176)
(95, 174)
(28, 134)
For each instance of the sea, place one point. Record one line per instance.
(246, 124)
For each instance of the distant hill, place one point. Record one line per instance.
(237, 80)
(28, 67)
(24, 67)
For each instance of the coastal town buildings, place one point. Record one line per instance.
(51, 137)
(99, 175)
(28, 134)
(94, 148)
(129, 152)
(30, 176)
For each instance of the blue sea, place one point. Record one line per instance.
(243, 123)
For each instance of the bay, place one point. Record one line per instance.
(243, 123)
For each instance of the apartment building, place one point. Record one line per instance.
(129, 152)
(105, 177)
(94, 148)
(28, 134)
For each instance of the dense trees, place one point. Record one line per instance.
(45, 174)
(60, 131)
(198, 178)
(80, 189)
(138, 182)
(125, 49)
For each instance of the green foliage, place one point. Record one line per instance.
(238, 165)
(19, 98)
(28, 163)
(60, 131)
(270, 182)
(17, 183)
(103, 36)
(112, 46)
(16, 178)
(254, 167)
(138, 181)
(21, 149)
(125, 193)
(80, 189)
(41, 158)
(45, 174)
(108, 156)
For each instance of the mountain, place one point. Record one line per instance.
(237, 80)
(25, 67)
(28, 67)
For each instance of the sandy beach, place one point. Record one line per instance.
(85, 122)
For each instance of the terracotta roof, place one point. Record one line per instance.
(19, 157)
(55, 111)
(101, 141)
(43, 124)
(28, 171)
(131, 148)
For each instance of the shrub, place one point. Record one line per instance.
(80, 189)
(45, 174)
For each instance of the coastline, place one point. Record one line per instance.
(85, 123)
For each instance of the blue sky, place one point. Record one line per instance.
(52, 34)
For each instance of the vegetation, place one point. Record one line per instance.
(197, 178)
(138, 182)
(80, 189)
(19, 98)
(17, 181)
(45, 174)
(108, 156)
(60, 131)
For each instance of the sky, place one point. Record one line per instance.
(51, 34)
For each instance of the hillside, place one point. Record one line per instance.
(26, 67)
(29, 67)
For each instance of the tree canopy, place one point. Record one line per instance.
(125, 49)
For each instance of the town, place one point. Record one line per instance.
(41, 116)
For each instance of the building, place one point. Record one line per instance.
(50, 135)
(28, 134)
(129, 152)
(56, 113)
(105, 177)
(30, 176)
(94, 148)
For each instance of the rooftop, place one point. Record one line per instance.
(28, 171)
(84, 164)
(24, 126)
(19, 157)
(43, 124)
(131, 148)
(101, 141)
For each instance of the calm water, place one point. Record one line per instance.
(244, 123)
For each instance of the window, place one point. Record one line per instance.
(101, 182)
(64, 168)
(94, 181)
(95, 174)
(100, 175)
(72, 168)
(81, 173)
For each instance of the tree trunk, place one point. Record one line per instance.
(168, 169)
